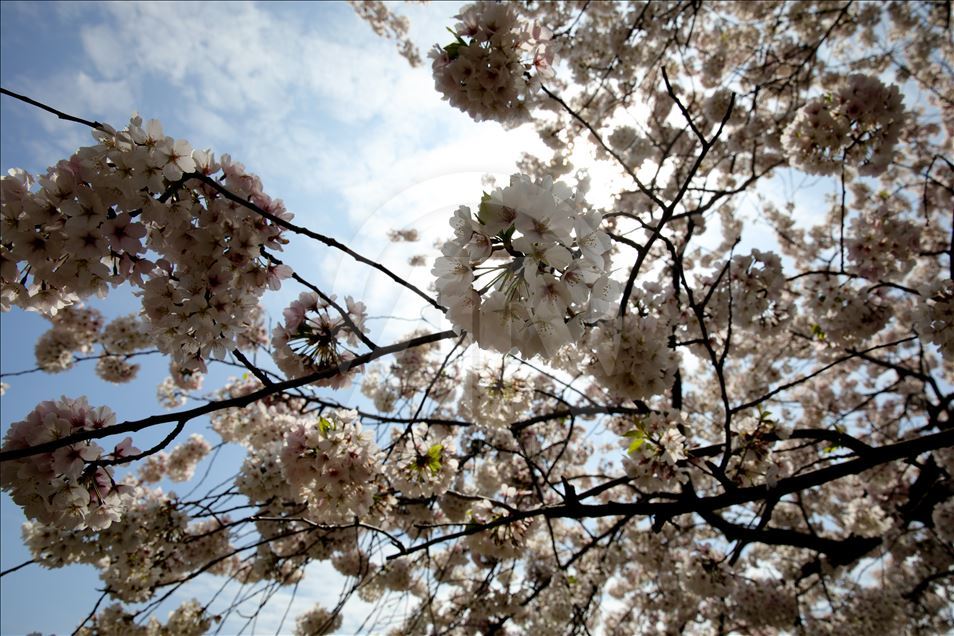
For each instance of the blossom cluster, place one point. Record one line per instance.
(169, 395)
(423, 464)
(153, 544)
(116, 369)
(69, 487)
(172, 392)
(125, 210)
(758, 302)
(539, 264)
(189, 619)
(501, 542)
(309, 339)
(494, 63)
(179, 465)
(654, 450)
(317, 621)
(858, 124)
(752, 460)
(123, 336)
(631, 356)
(882, 242)
(765, 604)
(133, 577)
(844, 314)
(332, 465)
(75, 329)
(257, 424)
(494, 397)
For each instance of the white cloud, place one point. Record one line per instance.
(101, 96)
(215, 129)
(104, 50)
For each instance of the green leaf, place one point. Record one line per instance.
(453, 50)
(325, 425)
(818, 332)
(634, 445)
(638, 439)
(571, 579)
(506, 235)
(434, 454)
(482, 208)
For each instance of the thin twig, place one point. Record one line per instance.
(50, 109)
(217, 405)
(16, 567)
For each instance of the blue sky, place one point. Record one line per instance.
(306, 96)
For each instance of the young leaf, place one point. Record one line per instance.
(453, 50)
(638, 437)
(434, 456)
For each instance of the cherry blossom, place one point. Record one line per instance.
(69, 487)
(551, 281)
(484, 71)
(858, 124)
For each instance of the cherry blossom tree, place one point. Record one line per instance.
(631, 423)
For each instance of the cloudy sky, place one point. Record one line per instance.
(335, 122)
